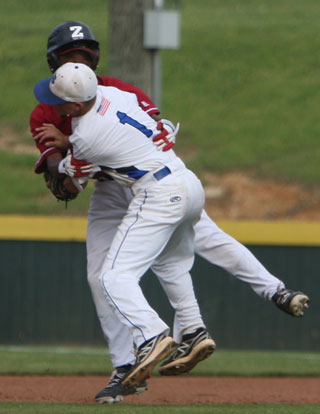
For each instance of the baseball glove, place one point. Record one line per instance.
(57, 187)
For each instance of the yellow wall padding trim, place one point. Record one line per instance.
(283, 233)
(43, 228)
(286, 233)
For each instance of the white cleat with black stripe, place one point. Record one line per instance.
(149, 354)
(194, 347)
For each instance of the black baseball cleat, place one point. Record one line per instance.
(115, 391)
(148, 355)
(194, 347)
(291, 302)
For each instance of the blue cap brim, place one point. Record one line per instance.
(44, 95)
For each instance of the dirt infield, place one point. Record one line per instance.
(166, 390)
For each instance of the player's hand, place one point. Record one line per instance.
(77, 168)
(166, 139)
(51, 136)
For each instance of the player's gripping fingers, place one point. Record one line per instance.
(72, 167)
(80, 168)
(50, 135)
(167, 147)
(164, 142)
(166, 139)
(84, 171)
(161, 139)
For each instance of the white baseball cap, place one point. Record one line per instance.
(71, 82)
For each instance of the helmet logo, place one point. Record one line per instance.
(76, 32)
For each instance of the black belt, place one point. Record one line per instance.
(162, 173)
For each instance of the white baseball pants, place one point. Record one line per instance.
(108, 206)
(157, 228)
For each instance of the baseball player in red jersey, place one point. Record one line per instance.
(107, 207)
(112, 132)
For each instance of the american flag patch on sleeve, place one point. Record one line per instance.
(103, 107)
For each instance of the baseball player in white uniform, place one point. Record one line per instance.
(108, 206)
(113, 133)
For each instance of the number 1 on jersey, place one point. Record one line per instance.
(125, 119)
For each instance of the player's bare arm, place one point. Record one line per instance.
(53, 162)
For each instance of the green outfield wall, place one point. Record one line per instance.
(45, 298)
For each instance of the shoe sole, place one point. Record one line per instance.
(110, 400)
(141, 389)
(119, 398)
(144, 370)
(185, 364)
(298, 304)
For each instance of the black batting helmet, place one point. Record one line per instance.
(68, 36)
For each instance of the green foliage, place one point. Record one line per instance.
(244, 85)
(25, 27)
(20, 360)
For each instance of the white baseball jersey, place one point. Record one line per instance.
(116, 134)
(130, 159)
(168, 199)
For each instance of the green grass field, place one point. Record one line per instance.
(30, 408)
(25, 360)
(19, 360)
(244, 85)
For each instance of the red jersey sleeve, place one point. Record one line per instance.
(47, 114)
(144, 101)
